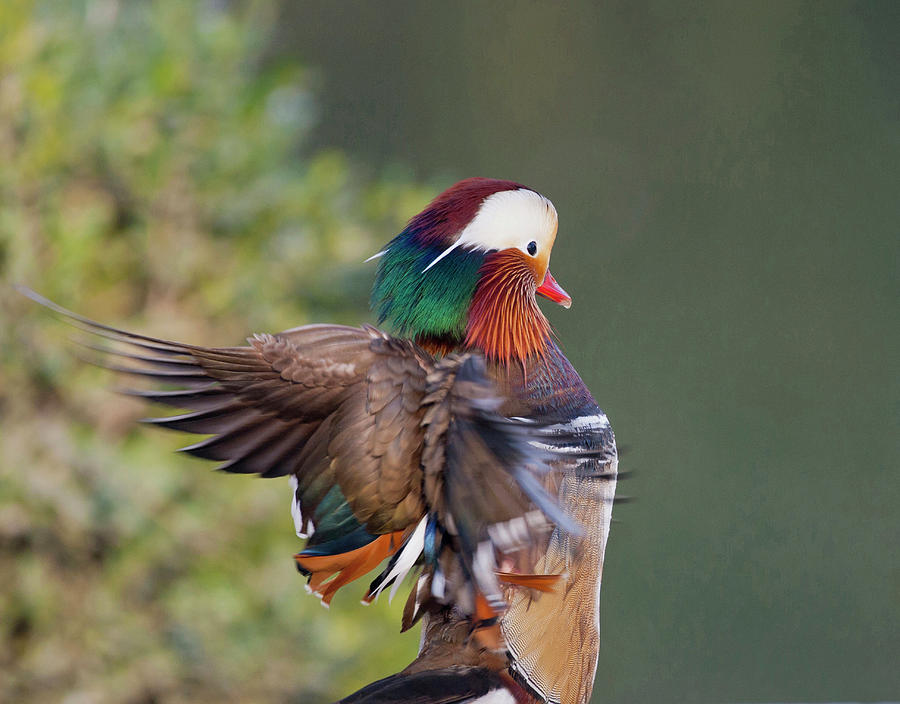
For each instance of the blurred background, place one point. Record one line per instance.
(727, 177)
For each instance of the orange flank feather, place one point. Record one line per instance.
(539, 582)
(487, 627)
(437, 346)
(334, 571)
(483, 610)
(504, 319)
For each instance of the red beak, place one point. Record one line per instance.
(552, 290)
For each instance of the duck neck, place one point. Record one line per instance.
(504, 320)
(423, 300)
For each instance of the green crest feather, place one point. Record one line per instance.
(433, 303)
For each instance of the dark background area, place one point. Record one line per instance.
(727, 177)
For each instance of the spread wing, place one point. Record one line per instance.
(389, 452)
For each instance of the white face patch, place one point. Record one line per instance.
(510, 220)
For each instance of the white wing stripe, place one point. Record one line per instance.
(303, 531)
(405, 560)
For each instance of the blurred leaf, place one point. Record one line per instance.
(155, 176)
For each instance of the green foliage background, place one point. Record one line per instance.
(153, 174)
(726, 178)
(725, 175)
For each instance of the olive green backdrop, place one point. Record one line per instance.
(727, 177)
(728, 181)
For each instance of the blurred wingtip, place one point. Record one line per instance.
(30, 293)
(71, 316)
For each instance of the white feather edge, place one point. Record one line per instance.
(437, 584)
(442, 255)
(496, 696)
(420, 584)
(297, 513)
(410, 552)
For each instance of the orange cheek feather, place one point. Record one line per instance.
(504, 320)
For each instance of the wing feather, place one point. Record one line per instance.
(380, 438)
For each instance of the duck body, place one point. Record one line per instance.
(551, 640)
(466, 449)
(475, 301)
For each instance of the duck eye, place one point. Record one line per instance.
(532, 248)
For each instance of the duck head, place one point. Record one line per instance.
(466, 270)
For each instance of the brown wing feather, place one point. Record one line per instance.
(399, 435)
(329, 404)
(285, 386)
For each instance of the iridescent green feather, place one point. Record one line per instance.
(425, 303)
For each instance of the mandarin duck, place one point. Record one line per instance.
(464, 448)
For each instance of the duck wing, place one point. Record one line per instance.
(389, 451)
